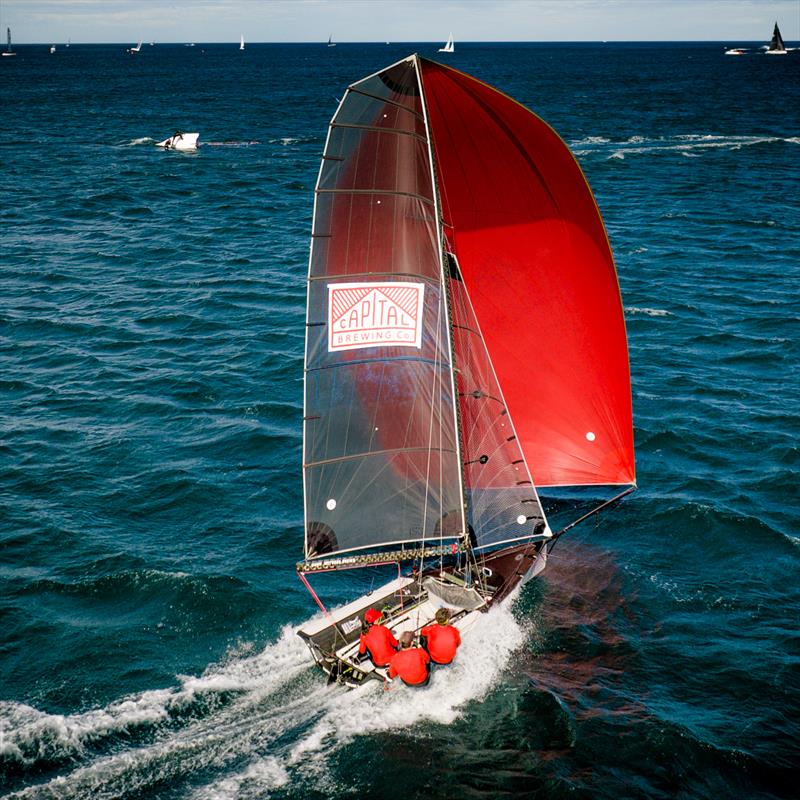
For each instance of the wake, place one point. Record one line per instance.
(269, 720)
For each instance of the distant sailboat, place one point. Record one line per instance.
(137, 48)
(449, 46)
(241, 42)
(8, 51)
(69, 42)
(331, 43)
(776, 46)
(52, 49)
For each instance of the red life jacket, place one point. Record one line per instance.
(442, 642)
(412, 665)
(380, 643)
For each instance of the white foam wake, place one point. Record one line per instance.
(371, 709)
(691, 145)
(648, 312)
(282, 724)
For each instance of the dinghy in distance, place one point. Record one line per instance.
(736, 51)
(465, 344)
(180, 141)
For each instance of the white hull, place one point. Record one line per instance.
(183, 141)
(776, 52)
(409, 604)
(415, 612)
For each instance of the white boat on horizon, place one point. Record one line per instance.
(241, 42)
(331, 43)
(52, 49)
(137, 48)
(449, 46)
(736, 51)
(180, 141)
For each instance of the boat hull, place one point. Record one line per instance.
(184, 141)
(410, 603)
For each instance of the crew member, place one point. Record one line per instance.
(377, 641)
(442, 639)
(412, 664)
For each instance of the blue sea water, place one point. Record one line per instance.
(151, 341)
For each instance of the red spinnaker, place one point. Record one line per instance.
(533, 251)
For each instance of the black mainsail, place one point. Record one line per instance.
(776, 45)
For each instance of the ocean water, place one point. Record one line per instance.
(151, 339)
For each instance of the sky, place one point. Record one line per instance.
(732, 21)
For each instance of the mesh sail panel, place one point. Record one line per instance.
(502, 502)
(381, 460)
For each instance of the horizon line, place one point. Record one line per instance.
(323, 43)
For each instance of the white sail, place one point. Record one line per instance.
(241, 42)
(449, 46)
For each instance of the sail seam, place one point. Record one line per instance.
(382, 192)
(368, 453)
(359, 361)
(350, 275)
(388, 102)
(377, 129)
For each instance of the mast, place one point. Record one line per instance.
(448, 305)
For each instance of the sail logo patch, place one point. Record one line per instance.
(374, 314)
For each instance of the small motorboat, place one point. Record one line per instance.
(180, 141)
(736, 51)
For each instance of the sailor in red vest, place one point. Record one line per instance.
(411, 664)
(377, 641)
(442, 639)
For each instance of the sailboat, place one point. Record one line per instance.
(464, 336)
(776, 46)
(241, 42)
(52, 49)
(331, 43)
(449, 46)
(137, 48)
(8, 51)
